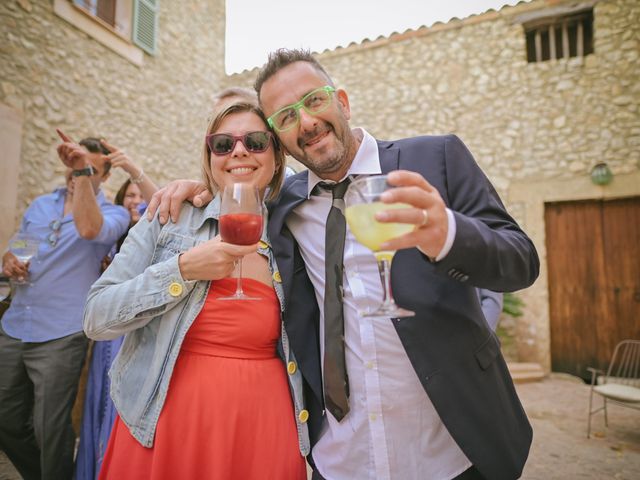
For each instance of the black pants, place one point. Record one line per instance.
(470, 474)
(38, 386)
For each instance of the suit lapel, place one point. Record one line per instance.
(292, 195)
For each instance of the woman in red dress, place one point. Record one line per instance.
(200, 389)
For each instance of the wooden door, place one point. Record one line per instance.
(593, 262)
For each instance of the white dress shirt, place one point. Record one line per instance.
(392, 430)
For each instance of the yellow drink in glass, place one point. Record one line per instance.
(371, 233)
(362, 201)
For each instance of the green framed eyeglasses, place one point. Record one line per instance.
(314, 102)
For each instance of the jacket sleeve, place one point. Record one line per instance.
(141, 283)
(489, 246)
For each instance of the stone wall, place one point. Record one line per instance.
(55, 75)
(536, 129)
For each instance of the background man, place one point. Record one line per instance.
(42, 345)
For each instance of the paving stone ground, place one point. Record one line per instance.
(557, 407)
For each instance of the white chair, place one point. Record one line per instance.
(621, 383)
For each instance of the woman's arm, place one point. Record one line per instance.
(156, 268)
(142, 282)
(119, 159)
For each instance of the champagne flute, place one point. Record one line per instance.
(24, 247)
(241, 224)
(362, 201)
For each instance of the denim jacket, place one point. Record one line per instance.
(143, 295)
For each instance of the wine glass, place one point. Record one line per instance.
(24, 247)
(362, 201)
(241, 224)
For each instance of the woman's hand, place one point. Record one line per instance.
(120, 159)
(212, 260)
(134, 213)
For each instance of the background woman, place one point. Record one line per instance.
(99, 412)
(198, 381)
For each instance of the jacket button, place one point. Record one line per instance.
(303, 416)
(277, 277)
(175, 289)
(263, 245)
(291, 368)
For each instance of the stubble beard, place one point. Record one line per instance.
(323, 164)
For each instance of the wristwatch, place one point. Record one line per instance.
(88, 171)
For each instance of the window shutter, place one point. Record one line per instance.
(145, 24)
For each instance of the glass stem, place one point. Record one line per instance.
(384, 267)
(239, 291)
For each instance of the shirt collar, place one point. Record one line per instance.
(211, 210)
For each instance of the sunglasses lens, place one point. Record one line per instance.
(256, 141)
(221, 143)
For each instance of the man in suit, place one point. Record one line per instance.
(429, 396)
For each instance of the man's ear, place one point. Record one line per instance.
(343, 101)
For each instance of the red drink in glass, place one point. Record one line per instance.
(241, 228)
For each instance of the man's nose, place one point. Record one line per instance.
(308, 122)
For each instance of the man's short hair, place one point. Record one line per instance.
(94, 145)
(281, 58)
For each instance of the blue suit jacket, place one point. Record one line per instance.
(454, 353)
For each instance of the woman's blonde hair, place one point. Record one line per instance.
(222, 110)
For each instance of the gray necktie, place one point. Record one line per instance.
(335, 381)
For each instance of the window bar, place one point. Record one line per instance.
(552, 41)
(580, 39)
(565, 40)
(538, 40)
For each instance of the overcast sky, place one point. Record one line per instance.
(256, 27)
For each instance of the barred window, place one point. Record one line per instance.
(560, 37)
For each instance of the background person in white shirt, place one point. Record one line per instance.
(430, 396)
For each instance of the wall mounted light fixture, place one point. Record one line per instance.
(601, 174)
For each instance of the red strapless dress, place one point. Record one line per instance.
(228, 413)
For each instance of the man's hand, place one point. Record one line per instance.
(212, 260)
(71, 153)
(428, 213)
(14, 268)
(168, 200)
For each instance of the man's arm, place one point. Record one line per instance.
(86, 211)
(87, 216)
(168, 200)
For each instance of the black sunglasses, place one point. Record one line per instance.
(223, 143)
